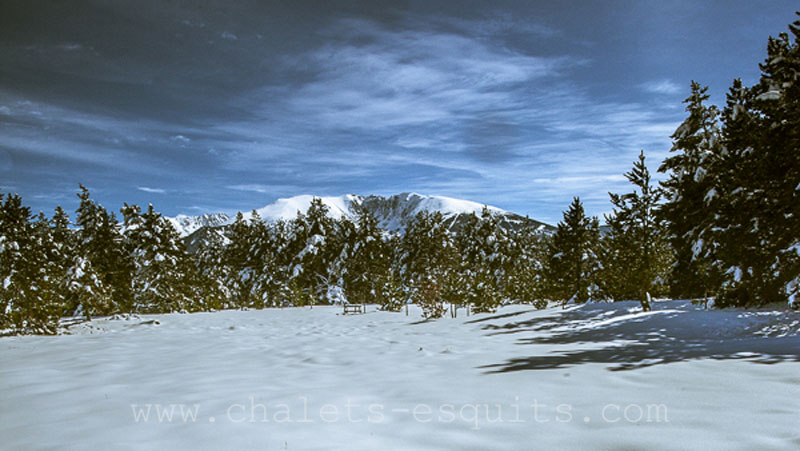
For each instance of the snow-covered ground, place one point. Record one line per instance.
(602, 376)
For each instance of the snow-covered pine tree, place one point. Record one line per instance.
(462, 278)
(314, 248)
(209, 274)
(484, 248)
(636, 257)
(86, 292)
(526, 256)
(428, 258)
(688, 191)
(394, 292)
(267, 261)
(102, 245)
(339, 248)
(571, 267)
(61, 255)
(368, 265)
(756, 232)
(281, 234)
(27, 297)
(239, 271)
(76, 282)
(159, 280)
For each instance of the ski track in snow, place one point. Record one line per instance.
(730, 380)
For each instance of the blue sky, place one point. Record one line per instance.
(211, 106)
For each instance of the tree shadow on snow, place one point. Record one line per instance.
(622, 336)
(496, 317)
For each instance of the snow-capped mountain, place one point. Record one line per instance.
(393, 213)
(186, 225)
(286, 209)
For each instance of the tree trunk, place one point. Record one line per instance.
(646, 302)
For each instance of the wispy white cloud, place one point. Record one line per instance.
(443, 106)
(70, 47)
(375, 78)
(262, 188)
(446, 113)
(70, 135)
(147, 189)
(499, 24)
(181, 139)
(661, 87)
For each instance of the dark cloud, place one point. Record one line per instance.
(228, 105)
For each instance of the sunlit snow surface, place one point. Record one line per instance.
(580, 378)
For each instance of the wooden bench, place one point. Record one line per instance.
(354, 308)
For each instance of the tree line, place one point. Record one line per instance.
(723, 225)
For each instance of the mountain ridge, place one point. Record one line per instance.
(393, 212)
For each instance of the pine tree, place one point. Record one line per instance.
(688, 190)
(571, 270)
(86, 292)
(208, 275)
(636, 256)
(427, 261)
(102, 251)
(261, 256)
(63, 238)
(756, 227)
(314, 247)
(28, 303)
(367, 267)
(526, 254)
(239, 271)
(394, 293)
(61, 255)
(485, 262)
(159, 279)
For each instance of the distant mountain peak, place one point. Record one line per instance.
(393, 212)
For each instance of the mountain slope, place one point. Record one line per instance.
(186, 225)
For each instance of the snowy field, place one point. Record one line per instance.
(603, 376)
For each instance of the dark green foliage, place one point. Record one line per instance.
(208, 273)
(61, 256)
(485, 260)
(757, 179)
(742, 210)
(104, 267)
(237, 259)
(160, 276)
(28, 302)
(427, 262)
(687, 191)
(368, 264)
(635, 254)
(572, 264)
(526, 254)
(315, 245)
